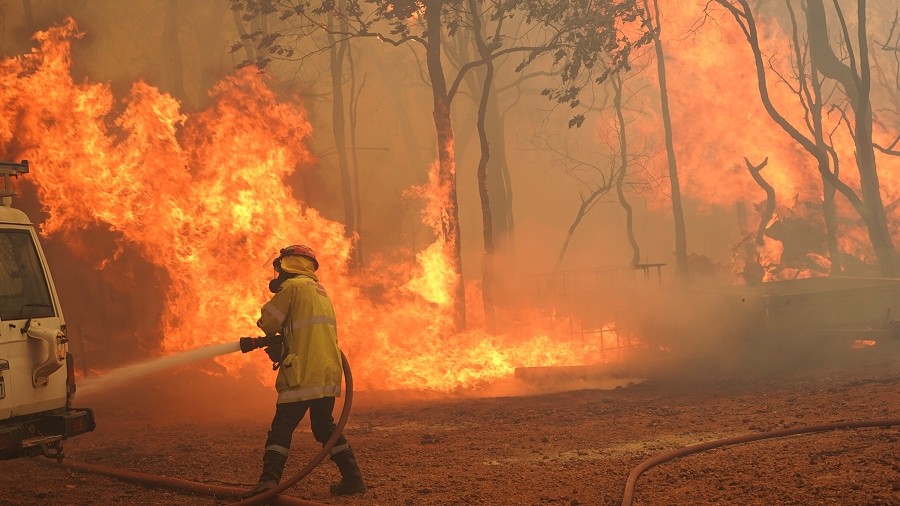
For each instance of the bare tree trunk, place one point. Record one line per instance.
(447, 163)
(487, 221)
(354, 151)
(338, 122)
(249, 50)
(681, 263)
(496, 174)
(29, 16)
(830, 213)
(623, 170)
(583, 209)
(856, 80)
(499, 182)
(173, 63)
(811, 95)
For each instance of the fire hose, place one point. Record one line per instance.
(627, 496)
(271, 496)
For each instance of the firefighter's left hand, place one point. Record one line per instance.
(274, 353)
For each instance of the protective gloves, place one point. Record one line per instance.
(275, 350)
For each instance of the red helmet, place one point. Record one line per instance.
(298, 249)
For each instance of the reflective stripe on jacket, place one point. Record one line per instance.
(302, 312)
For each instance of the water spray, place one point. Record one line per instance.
(127, 373)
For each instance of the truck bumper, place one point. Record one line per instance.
(35, 435)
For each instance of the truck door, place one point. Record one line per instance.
(32, 342)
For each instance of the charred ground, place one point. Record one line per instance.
(572, 447)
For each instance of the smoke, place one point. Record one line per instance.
(711, 84)
(776, 329)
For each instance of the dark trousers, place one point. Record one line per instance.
(288, 415)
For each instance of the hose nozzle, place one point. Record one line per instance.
(249, 344)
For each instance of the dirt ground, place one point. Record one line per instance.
(572, 446)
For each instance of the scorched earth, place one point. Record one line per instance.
(514, 444)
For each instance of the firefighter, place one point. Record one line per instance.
(300, 325)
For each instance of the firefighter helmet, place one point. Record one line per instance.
(297, 249)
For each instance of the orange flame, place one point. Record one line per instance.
(435, 273)
(718, 120)
(204, 197)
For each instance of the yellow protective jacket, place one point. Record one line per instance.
(302, 312)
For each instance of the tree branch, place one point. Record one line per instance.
(769, 211)
(890, 149)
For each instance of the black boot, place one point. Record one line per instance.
(351, 479)
(273, 466)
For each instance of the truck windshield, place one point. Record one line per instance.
(23, 286)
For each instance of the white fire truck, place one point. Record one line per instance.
(37, 375)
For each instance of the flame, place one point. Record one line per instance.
(206, 198)
(861, 344)
(712, 81)
(435, 273)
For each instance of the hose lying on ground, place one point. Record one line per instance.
(269, 497)
(627, 496)
(326, 448)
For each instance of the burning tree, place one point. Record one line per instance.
(815, 62)
(202, 197)
(575, 35)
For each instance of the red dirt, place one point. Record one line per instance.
(573, 447)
